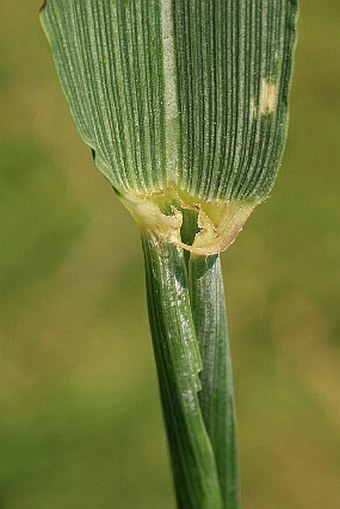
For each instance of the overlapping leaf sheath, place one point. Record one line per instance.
(184, 103)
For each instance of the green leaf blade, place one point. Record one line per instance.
(190, 94)
(109, 58)
(180, 98)
(234, 63)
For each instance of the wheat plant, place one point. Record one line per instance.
(184, 104)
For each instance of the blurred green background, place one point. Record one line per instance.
(80, 421)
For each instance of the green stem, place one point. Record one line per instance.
(178, 364)
(217, 395)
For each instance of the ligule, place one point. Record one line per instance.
(218, 222)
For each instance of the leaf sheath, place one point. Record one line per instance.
(217, 394)
(178, 364)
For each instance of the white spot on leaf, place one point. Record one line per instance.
(268, 97)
